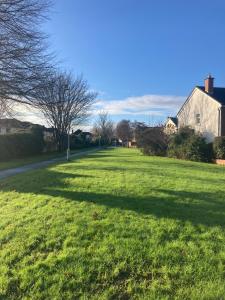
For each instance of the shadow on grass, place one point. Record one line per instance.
(164, 171)
(199, 208)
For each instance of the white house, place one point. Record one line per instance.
(204, 111)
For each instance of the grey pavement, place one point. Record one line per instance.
(14, 171)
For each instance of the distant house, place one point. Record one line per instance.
(83, 135)
(48, 133)
(87, 136)
(11, 126)
(14, 126)
(171, 125)
(203, 110)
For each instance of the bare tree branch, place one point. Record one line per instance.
(104, 128)
(23, 58)
(65, 102)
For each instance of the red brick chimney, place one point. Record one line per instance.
(209, 84)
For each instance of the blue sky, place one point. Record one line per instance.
(142, 56)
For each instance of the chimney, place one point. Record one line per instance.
(209, 84)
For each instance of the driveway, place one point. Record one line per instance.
(42, 164)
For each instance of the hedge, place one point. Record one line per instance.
(187, 144)
(20, 145)
(219, 147)
(152, 141)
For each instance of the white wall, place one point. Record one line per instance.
(201, 103)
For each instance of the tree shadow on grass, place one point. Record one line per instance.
(184, 206)
(196, 207)
(42, 180)
(163, 171)
(178, 164)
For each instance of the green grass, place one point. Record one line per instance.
(114, 225)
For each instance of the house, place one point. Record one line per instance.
(171, 125)
(87, 136)
(14, 126)
(11, 126)
(83, 135)
(48, 133)
(203, 110)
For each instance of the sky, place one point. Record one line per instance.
(143, 57)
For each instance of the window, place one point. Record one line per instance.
(197, 119)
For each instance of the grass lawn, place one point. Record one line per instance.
(114, 225)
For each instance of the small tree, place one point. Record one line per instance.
(103, 129)
(151, 140)
(65, 102)
(124, 131)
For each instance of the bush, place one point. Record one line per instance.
(79, 142)
(186, 144)
(152, 141)
(219, 147)
(20, 145)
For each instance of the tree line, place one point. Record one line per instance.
(125, 132)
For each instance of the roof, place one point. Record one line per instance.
(174, 120)
(218, 94)
(14, 123)
(51, 129)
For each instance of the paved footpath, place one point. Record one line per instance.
(42, 164)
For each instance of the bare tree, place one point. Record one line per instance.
(124, 131)
(6, 109)
(65, 102)
(103, 129)
(23, 58)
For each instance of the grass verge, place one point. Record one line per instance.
(114, 225)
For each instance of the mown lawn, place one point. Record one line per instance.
(114, 225)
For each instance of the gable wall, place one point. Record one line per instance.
(200, 103)
(170, 127)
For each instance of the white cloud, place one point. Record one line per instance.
(154, 105)
(28, 113)
(141, 105)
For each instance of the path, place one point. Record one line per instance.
(42, 164)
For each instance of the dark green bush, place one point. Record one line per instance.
(79, 142)
(219, 147)
(20, 145)
(152, 141)
(187, 144)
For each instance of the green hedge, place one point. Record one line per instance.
(152, 141)
(219, 147)
(187, 144)
(20, 145)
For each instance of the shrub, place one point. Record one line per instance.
(152, 141)
(20, 145)
(219, 147)
(79, 142)
(186, 144)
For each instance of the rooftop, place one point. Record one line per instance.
(218, 93)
